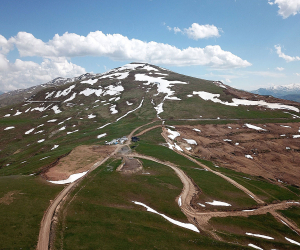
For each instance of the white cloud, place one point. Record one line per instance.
(24, 74)
(280, 68)
(297, 74)
(120, 48)
(284, 56)
(56, 54)
(287, 7)
(197, 31)
(176, 30)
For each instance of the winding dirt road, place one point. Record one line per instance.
(44, 234)
(199, 219)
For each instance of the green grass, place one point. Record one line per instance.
(163, 153)
(214, 187)
(102, 215)
(233, 229)
(261, 187)
(20, 220)
(292, 213)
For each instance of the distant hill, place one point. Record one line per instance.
(287, 92)
(1, 92)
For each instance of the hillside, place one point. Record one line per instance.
(213, 167)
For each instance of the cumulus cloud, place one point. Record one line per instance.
(120, 48)
(23, 74)
(287, 7)
(284, 56)
(56, 54)
(280, 68)
(197, 31)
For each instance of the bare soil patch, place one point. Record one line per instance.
(81, 159)
(130, 165)
(275, 153)
(8, 198)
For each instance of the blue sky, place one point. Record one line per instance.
(247, 44)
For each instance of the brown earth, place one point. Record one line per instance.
(130, 165)
(275, 156)
(81, 159)
(8, 198)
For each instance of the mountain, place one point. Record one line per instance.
(142, 157)
(20, 95)
(1, 92)
(287, 92)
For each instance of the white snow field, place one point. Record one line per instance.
(236, 102)
(173, 134)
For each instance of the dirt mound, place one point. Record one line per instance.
(81, 159)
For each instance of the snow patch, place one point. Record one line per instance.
(254, 127)
(113, 109)
(260, 236)
(100, 136)
(128, 103)
(54, 147)
(64, 92)
(292, 241)
(178, 148)
(178, 223)
(17, 113)
(71, 132)
(179, 201)
(53, 120)
(249, 156)
(284, 126)
(71, 179)
(39, 141)
(296, 136)
(197, 130)
(70, 98)
(218, 203)
(256, 247)
(190, 141)
(90, 81)
(91, 116)
(56, 109)
(7, 115)
(8, 128)
(29, 131)
(173, 134)
(236, 102)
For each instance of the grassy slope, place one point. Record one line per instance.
(103, 216)
(20, 220)
(234, 229)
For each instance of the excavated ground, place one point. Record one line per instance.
(81, 159)
(130, 165)
(276, 154)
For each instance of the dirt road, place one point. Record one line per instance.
(44, 234)
(239, 186)
(200, 219)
